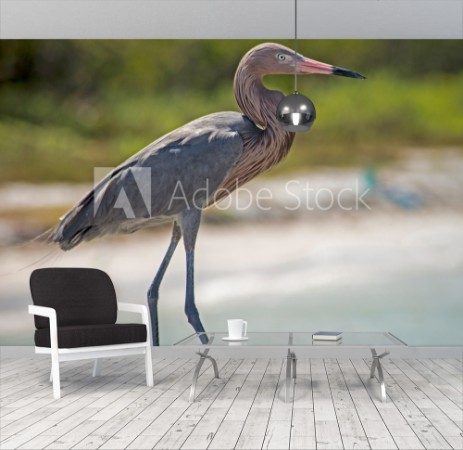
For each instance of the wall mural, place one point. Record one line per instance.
(358, 229)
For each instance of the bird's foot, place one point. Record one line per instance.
(153, 309)
(195, 322)
(204, 339)
(154, 339)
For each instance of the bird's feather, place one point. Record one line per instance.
(182, 169)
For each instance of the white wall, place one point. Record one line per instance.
(217, 19)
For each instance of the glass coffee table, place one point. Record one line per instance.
(290, 342)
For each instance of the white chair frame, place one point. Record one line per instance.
(96, 352)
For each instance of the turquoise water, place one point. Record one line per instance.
(421, 310)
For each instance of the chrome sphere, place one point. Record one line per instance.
(296, 113)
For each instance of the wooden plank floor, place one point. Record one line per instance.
(335, 405)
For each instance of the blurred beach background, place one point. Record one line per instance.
(391, 262)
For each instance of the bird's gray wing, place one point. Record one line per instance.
(183, 169)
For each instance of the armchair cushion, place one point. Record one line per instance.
(80, 296)
(93, 335)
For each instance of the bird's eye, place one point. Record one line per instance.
(281, 57)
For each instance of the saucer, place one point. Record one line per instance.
(245, 338)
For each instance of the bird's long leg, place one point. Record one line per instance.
(189, 221)
(153, 291)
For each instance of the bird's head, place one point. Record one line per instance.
(270, 58)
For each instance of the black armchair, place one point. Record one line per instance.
(75, 313)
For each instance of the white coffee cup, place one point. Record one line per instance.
(237, 328)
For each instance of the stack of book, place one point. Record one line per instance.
(327, 336)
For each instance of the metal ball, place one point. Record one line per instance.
(296, 113)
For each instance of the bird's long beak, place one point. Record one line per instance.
(307, 65)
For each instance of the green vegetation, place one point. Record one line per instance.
(68, 106)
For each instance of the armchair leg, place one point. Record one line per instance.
(149, 367)
(55, 376)
(96, 367)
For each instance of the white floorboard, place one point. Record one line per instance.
(334, 404)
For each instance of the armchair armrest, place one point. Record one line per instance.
(46, 311)
(140, 309)
(132, 307)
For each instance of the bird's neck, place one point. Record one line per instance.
(256, 101)
(268, 143)
(259, 104)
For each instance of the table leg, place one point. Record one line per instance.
(291, 362)
(202, 357)
(294, 364)
(376, 365)
(288, 375)
(373, 366)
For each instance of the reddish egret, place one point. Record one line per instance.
(192, 167)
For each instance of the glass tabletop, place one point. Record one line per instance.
(293, 339)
